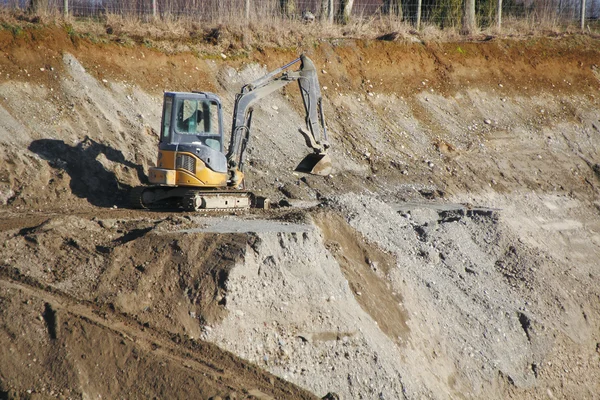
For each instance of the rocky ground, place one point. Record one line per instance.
(453, 253)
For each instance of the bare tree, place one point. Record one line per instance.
(499, 15)
(37, 7)
(582, 15)
(345, 11)
(393, 7)
(469, 25)
(288, 7)
(327, 10)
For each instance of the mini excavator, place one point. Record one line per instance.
(195, 173)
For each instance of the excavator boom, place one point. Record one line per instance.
(315, 133)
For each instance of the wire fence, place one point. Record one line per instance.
(441, 13)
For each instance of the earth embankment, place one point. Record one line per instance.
(452, 253)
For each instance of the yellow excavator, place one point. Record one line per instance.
(192, 170)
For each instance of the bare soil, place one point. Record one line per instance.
(374, 285)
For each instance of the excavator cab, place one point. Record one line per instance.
(192, 117)
(190, 151)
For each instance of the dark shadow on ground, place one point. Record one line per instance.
(89, 179)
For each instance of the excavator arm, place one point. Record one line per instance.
(315, 133)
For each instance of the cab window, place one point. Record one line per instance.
(197, 117)
(166, 121)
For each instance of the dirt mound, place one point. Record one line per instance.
(135, 311)
(177, 277)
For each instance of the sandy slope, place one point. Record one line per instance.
(389, 288)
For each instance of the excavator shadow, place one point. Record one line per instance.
(89, 178)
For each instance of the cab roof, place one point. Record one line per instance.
(194, 95)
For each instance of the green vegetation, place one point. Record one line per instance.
(16, 30)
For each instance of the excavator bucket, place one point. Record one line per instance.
(315, 164)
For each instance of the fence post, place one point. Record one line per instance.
(66, 9)
(247, 10)
(499, 15)
(154, 9)
(419, 5)
(582, 15)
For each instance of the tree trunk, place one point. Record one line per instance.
(330, 12)
(324, 10)
(469, 24)
(38, 7)
(582, 15)
(499, 15)
(345, 11)
(393, 7)
(288, 7)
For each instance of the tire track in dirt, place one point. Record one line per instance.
(222, 369)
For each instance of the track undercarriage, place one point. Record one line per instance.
(191, 199)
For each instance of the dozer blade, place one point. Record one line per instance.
(316, 164)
